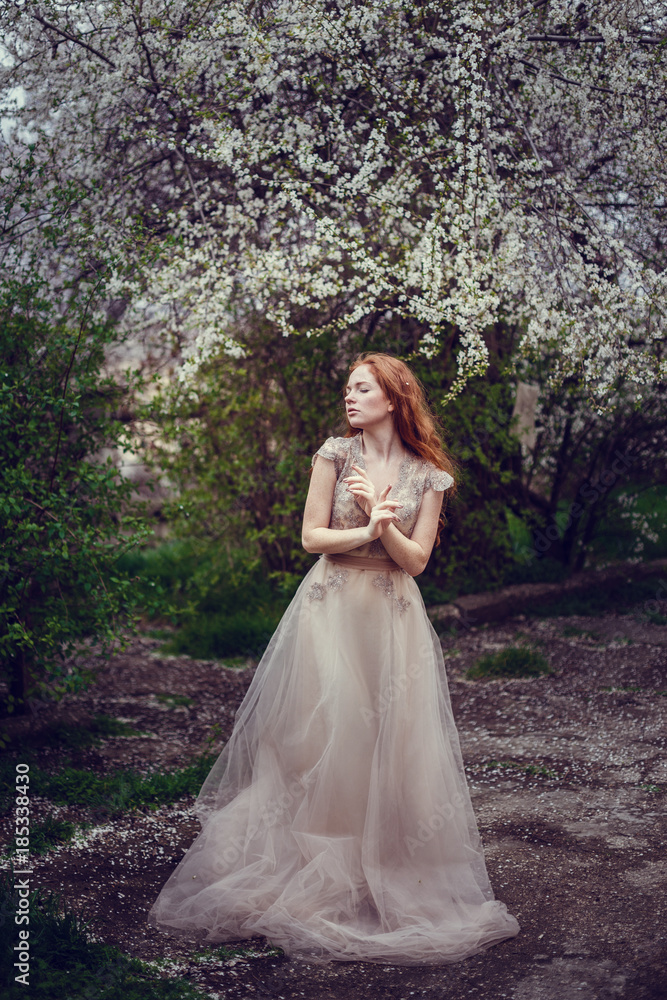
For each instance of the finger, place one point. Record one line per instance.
(360, 472)
(385, 515)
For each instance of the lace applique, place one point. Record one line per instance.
(438, 479)
(331, 450)
(316, 592)
(386, 584)
(335, 581)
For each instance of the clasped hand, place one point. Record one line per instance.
(380, 510)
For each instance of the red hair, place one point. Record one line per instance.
(413, 419)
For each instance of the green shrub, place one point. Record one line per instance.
(636, 596)
(513, 661)
(222, 607)
(215, 636)
(60, 508)
(65, 964)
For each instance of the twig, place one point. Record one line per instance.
(72, 38)
(564, 79)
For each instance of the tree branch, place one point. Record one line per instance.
(592, 39)
(564, 79)
(72, 38)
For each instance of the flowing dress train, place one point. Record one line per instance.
(337, 820)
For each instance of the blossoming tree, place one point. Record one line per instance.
(336, 162)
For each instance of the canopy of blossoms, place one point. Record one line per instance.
(329, 163)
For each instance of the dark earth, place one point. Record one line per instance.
(568, 774)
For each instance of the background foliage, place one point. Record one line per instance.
(65, 513)
(222, 174)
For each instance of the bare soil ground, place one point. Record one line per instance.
(568, 774)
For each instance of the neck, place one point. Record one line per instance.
(382, 443)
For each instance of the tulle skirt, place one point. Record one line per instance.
(337, 820)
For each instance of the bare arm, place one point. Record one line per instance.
(316, 535)
(412, 554)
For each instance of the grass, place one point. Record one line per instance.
(513, 661)
(635, 689)
(73, 736)
(532, 769)
(66, 964)
(571, 631)
(174, 700)
(48, 834)
(107, 794)
(223, 953)
(236, 662)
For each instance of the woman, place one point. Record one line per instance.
(337, 820)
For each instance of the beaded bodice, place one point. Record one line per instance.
(416, 475)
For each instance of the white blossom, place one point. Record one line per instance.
(458, 164)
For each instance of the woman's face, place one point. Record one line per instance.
(365, 402)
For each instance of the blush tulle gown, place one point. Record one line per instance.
(337, 820)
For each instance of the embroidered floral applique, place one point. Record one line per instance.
(386, 584)
(335, 581)
(317, 592)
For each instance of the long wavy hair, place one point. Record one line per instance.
(414, 420)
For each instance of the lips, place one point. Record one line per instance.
(351, 413)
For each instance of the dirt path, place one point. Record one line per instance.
(568, 774)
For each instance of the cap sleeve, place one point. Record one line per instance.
(438, 479)
(327, 450)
